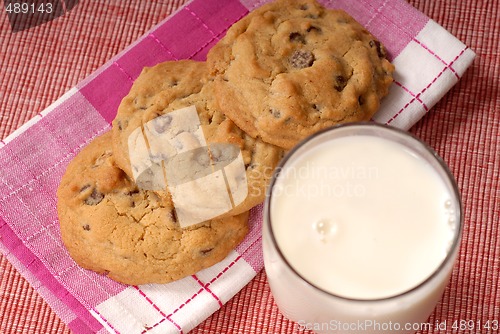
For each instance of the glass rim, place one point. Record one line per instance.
(384, 127)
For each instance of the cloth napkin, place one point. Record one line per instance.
(428, 60)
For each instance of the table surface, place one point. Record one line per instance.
(38, 65)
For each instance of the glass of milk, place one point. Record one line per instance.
(362, 226)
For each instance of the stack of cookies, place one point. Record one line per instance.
(285, 71)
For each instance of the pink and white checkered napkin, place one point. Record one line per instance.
(429, 61)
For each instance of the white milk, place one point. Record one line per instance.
(365, 218)
(362, 218)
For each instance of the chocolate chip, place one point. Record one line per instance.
(304, 7)
(202, 158)
(205, 252)
(312, 16)
(85, 187)
(361, 100)
(162, 123)
(297, 37)
(301, 59)
(94, 198)
(139, 105)
(276, 113)
(86, 227)
(314, 28)
(132, 192)
(380, 49)
(340, 83)
(218, 154)
(124, 124)
(179, 145)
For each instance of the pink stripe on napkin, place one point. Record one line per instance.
(85, 322)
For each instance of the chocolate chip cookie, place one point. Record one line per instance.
(291, 68)
(154, 89)
(131, 235)
(167, 137)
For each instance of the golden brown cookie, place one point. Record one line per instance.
(291, 68)
(154, 89)
(110, 226)
(151, 135)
